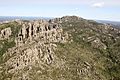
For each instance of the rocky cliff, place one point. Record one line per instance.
(67, 48)
(34, 45)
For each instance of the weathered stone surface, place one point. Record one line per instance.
(5, 33)
(35, 46)
(36, 54)
(98, 44)
(40, 31)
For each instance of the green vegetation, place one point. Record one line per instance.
(107, 61)
(5, 44)
(83, 57)
(9, 43)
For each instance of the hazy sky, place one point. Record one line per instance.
(90, 9)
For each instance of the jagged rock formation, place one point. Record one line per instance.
(34, 45)
(40, 31)
(67, 48)
(5, 33)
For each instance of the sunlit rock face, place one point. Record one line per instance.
(40, 31)
(5, 33)
(35, 46)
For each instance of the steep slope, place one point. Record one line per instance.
(94, 43)
(67, 48)
(34, 46)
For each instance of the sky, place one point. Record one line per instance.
(88, 9)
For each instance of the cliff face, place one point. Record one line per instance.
(5, 33)
(35, 45)
(67, 48)
(40, 31)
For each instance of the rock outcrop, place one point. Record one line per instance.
(5, 33)
(40, 31)
(35, 45)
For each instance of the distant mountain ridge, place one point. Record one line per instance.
(9, 18)
(116, 23)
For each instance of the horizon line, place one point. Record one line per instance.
(60, 17)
